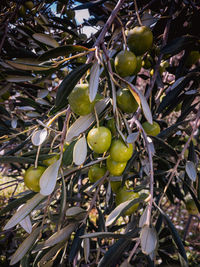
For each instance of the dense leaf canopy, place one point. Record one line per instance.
(46, 50)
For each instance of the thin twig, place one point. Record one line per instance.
(44, 216)
(101, 36)
(181, 156)
(64, 131)
(95, 196)
(134, 250)
(157, 66)
(6, 26)
(151, 170)
(137, 13)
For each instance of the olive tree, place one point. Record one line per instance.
(101, 130)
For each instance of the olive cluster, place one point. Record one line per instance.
(100, 140)
(139, 41)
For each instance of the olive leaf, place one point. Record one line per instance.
(94, 81)
(80, 151)
(39, 137)
(120, 209)
(142, 101)
(148, 239)
(26, 222)
(61, 235)
(49, 178)
(191, 170)
(45, 39)
(25, 246)
(24, 211)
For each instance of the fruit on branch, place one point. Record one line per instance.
(124, 195)
(22, 11)
(111, 126)
(191, 207)
(126, 101)
(99, 139)
(147, 62)
(140, 40)
(192, 58)
(125, 63)
(138, 66)
(51, 160)
(115, 185)
(178, 107)
(151, 129)
(115, 168)
(81, 60)
(29, 5)
(70, 13)
(32, 177)
(120, 152)
(96, 172)
(79, 100)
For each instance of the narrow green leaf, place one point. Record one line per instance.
(120, 209)
(105, 235)
(171, 130)
(45, 39)
(76, 244)
(27, 66)
(114, 253)
(175, 234)
(80, 151)
(68, 154)
(69, 83)
(191, 170)
(62, 51)
(60, 236)
(148, 239)
(24, 211)
(15, 203)
(178, 44)
(25, 246)
(10, 159)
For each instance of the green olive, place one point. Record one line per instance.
(125, 63)
(125, 195)
(120, 152)
(151, 129)
(96, 172)
(126, 101)
(140, 40)
(115, 168)
(32, 177)
(99, 139)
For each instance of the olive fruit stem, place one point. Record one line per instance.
(37, 156)
(100, 39)
(137, 13)
(96, 115)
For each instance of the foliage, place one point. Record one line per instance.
(44, 55)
